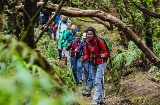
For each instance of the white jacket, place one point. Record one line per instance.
(61, 27)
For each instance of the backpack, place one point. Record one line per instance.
(106, 42)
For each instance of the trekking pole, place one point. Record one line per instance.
(103, 84)
(82, 76)
(82, 79)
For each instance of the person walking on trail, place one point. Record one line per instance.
(53, 26)
(86, 66)
(74, 56)
(51, 32)
(62, 25)
(96, 56)
(68, 37)
(71, 34)
(44, 16)
(62, 46)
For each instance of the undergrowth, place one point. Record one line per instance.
(23, 82)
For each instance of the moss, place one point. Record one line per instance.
(142, 100)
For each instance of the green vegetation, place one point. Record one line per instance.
(23, 82)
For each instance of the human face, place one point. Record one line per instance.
(69, 26)
(73, 30)
(78, 38)
(64, 18)
(90, 35)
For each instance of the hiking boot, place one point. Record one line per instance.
(58, 57)
(79, 84)
(86, 93)
(94, 103)
(102, 103)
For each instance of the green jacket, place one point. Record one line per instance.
(61, 40)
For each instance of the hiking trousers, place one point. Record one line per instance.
(88, 75)
(79, 70)
(66, 54)
(98, 79)
(74, 68)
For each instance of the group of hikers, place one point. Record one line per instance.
(84, 52)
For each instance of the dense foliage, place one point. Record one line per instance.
(23, 82)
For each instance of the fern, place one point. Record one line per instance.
(127, 56)
(23, 82)
(156, 46)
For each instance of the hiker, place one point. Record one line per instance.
(71, 34)
(68, 37)
(62, 25)
(50, 32)
(53, 26)
(44, 16)
(62, 46)
(73, 47)
(96, 56)
(86, 66)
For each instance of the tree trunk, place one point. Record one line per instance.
(124, 39)
(118, 23)
(1, 23)
(148, 31)
(15, 29)
(1, 18)
(30, 7)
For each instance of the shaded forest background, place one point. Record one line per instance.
(28, 56)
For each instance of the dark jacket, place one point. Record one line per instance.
(73, 46)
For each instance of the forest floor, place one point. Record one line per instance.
(137, 88)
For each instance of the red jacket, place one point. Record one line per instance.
(92, 51)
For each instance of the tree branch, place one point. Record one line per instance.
(147, 11)
(102, 22)
(50, 21)
(118, 23)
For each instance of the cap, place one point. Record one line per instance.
(84, 35)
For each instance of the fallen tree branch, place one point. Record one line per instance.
(117, 22)
(102, 22)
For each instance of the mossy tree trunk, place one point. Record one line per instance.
(30, 8)
(148, 31)
(1, 21)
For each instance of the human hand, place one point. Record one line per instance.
(76, 49)
(102, 55)
(59, 48)
(68, 44)
(42, 15)
(81, 59)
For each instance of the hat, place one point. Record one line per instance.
(84, 35)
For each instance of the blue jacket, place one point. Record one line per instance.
(70, 36)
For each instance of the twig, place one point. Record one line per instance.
(52, 18)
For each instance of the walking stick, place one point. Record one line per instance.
(103, 84)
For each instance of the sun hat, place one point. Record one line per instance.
(84, 35)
